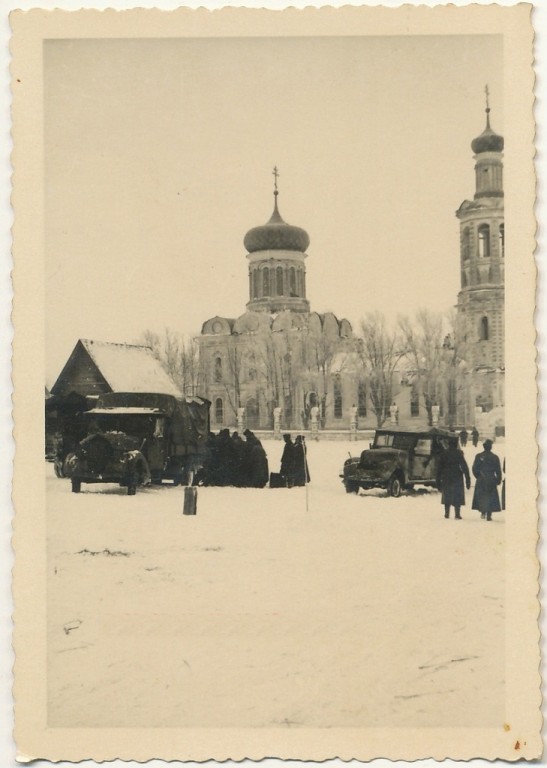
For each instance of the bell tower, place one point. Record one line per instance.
(480, 306)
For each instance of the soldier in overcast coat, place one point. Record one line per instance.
(487, 470)
(451, 470)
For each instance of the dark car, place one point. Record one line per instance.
(107, 457)
(397, 459)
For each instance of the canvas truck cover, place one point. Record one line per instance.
(190, 425)
(188, 416)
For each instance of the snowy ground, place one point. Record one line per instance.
(355, 611)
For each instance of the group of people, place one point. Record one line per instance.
(294, 469)
(452, 470)
(464, 436)
(234, 460)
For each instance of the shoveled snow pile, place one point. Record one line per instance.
(265, 610)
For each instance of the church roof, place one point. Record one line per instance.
(276, 235)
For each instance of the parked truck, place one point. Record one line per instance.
(138, 438)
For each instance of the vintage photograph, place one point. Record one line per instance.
(276, 427)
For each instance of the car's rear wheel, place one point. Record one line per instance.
(395, 486)
(351, 486)
(76, 486)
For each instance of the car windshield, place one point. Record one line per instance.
(394, 440)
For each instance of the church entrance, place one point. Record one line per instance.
(252, 414)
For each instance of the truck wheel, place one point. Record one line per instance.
(76, 486)
(394, 486)
(351, 486)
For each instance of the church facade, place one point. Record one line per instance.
(480, 307)
(279, 354)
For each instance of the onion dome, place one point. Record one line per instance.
(488, 141)
(276, 235)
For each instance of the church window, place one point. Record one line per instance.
(414, 401)
(292, 282)
(266, 282)
(279, 280)
(219, 410)
(484, 241)
(362, 399)
(502, 241)
(484, 332)
(466, 243)
(218, 368)
(256, 282)
(251, 367)
(338, 409)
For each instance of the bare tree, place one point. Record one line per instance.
(422, 341)
(380, 352)
(178, 355)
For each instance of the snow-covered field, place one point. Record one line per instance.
(262, 611)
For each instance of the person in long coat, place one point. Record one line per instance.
(463, 437)
(487, 470)
(475, 436)
(287, 461)
(301, 471)
(451, 471)
(257, 462)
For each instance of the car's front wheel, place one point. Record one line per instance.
(395, 486)
(351, 486)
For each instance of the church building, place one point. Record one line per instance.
(480, 307)
(278, 354)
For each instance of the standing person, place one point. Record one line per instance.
(451, 470)
(475, 436)
(301, 471)
(257, 462)
(463, 437)
(287, 461)
(238, 464)
(487, 470)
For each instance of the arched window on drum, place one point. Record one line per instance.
(265, 281)
(292, 282)
(279, 280)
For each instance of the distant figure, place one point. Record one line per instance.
(224, 462)
(353, 418)
(394, 413)
(463, 437)
(301, 471)
(451, 470)
(287, 461)
(238, 464)
(487, 470)
(475, 436)
(257, 462)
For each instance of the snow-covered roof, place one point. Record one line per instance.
(130, 367)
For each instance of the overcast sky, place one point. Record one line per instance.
(159, 157)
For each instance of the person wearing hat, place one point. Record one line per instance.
(451, 470)
(301, 471)
(487, 470)
(287, 461)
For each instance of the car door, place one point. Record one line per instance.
(423, 468)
